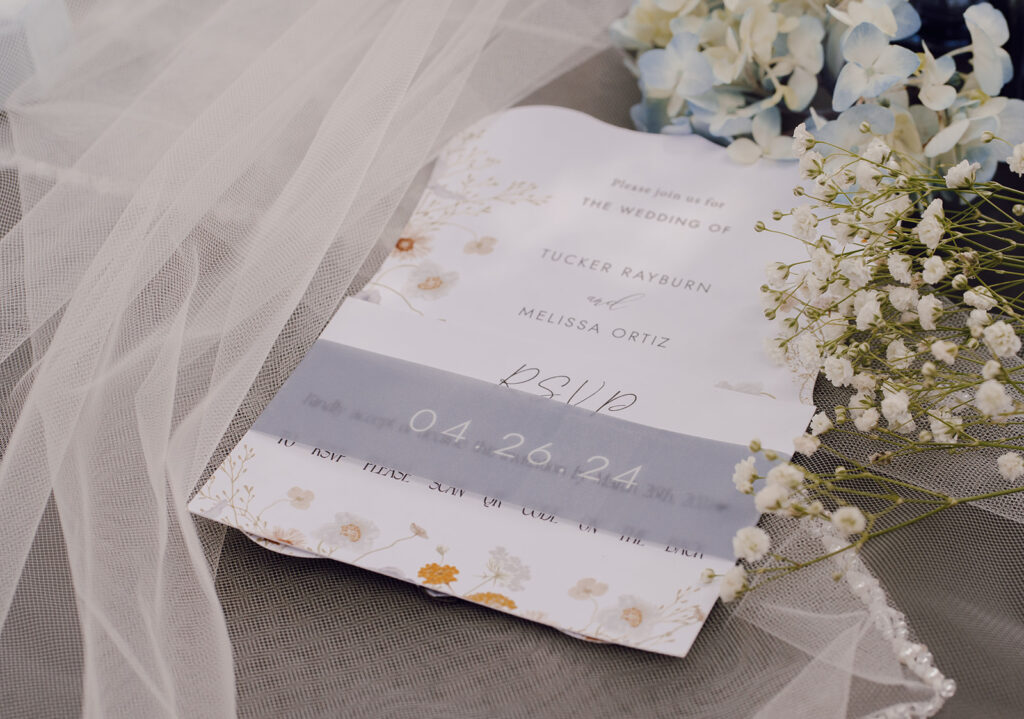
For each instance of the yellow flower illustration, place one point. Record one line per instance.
(493, 600)
(435, 573)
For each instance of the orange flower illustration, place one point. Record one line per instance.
(435, 573)
(412, 246)
(493, 600)
(633, 616)
(429, 282)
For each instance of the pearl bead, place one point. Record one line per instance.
(947, 689)
(909, 652)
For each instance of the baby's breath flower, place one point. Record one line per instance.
(849, 520)
(771, 498)
(929, 229)
(845, 227)
(934, 269)
(1001, 339)
(869, 315)
(776, 272)
(991, 369)
(804, 222)
(743, 475)
(751, 543)
(864, 382)
(806, 444)
(944, 351)
(785, 475)
(838, 371)
(899, 267)
(962, 174)
(733, 583)
(861, 401)
(980, 297)
(898, 355)
(944, 426)
(807, 351)
(707, 576)
(894, 404)
(867, 420)
(1016, 159)
(991, 398)
(928, 310)
(811, 165)
(1011, 466)
(802, 140)
(976, 321)
(775, 351)
(903, 298)
(820, 423)
(821, 263)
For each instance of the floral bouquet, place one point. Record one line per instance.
(909, 302)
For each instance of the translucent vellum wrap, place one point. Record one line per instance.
(187, 194)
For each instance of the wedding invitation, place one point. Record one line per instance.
(537, 401)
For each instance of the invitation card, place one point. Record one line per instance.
(537, 401)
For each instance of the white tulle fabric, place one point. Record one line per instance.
(187, 193)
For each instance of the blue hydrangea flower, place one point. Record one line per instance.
(676, 73)
(872, 66)
(989, 32)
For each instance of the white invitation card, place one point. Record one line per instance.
(610, 276)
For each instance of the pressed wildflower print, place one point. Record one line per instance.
(461, 187)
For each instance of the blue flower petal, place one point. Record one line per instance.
(898, 61)
(864, 44)
(849, 86)
(659, 72)
(1011, 122)
(698, 77)
(844, 131)
(683, 43)
(766, 126)
(638, 114)
(992, 67)
(989, 20)
(907, 20)
(878, 83)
